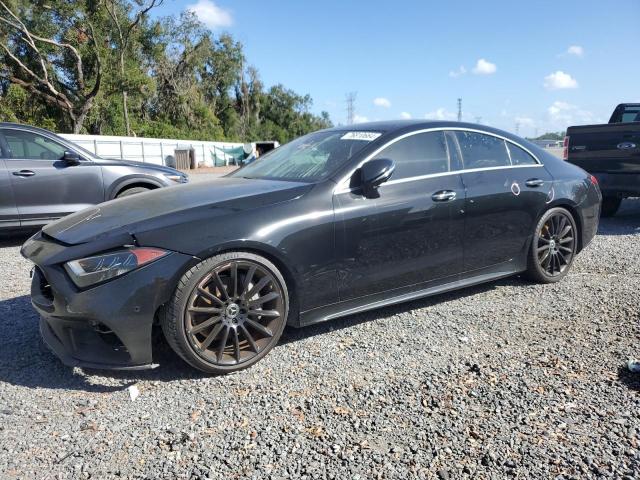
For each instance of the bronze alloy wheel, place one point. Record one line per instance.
(227, 312)
(554, 246)
(233, 312)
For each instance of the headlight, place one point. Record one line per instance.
(91, 270)
(176, 177)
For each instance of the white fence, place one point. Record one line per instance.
(151, 150)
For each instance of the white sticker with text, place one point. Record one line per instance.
(366, 136)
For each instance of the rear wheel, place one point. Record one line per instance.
(610, 206)
(227, 312)
(553, 247)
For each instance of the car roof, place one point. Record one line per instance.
(25, 127)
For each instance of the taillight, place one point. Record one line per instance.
(565, 149)
(594, 180)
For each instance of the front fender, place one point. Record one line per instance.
(137, 178)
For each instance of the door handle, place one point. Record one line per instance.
(24, 173)
(443, 196)
(534, 182)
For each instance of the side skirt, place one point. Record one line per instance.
(393, 297)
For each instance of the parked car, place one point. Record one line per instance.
(611, 152)
(44, 177)
(336, 222)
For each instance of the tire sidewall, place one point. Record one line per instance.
(181, 298)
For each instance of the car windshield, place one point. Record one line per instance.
(310, 158)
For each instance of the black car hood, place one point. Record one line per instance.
(170, 206)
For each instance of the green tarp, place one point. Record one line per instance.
(234, 155)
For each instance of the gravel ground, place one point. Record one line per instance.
(503, 380)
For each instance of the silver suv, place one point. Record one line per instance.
(44, 177)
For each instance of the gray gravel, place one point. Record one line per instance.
(507, 379)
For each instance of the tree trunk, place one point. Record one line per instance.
(126, 113)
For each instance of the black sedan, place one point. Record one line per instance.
(336, 222)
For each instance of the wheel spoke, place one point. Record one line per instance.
(248, 277)
(259, 327)
(206, 324)
(264, 313)
(565, 249)
(249, 338)
(545, 255)
(214, 333)
(566, 240)
(204, 310)
(547, 261)
(236, 345)
(223, 290)
(223, 343)
(209, 296)
(257, 287)
(234, 279)
(565, 231)
(264, 299)
(543, 240)
(543, 248)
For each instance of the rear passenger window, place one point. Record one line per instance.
(519, 156)
(482, 151)
(419, 154)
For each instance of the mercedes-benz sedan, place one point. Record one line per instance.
(336, 222)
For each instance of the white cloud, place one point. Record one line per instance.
(559, 80)
(359, 118)
(576, 50)
(440, 114)
(525, 121)
(563, 114)
(381, 102)
(405, 115)
(483, 67)
(211, 14)
(458, 73)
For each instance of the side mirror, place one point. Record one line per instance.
(71, 158)
(373, 174)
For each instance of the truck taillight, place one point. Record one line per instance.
(594, 180)
(565, 149)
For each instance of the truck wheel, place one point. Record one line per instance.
(610, 206)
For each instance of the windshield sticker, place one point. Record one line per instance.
(366, 136)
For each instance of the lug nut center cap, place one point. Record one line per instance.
(232, 310)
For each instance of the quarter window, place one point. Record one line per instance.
(482, 151)
(27, 145)
(419, 154)
(519, 156)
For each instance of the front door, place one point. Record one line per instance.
(45, 187)
(8, 210)
(412, 233)
(506, 192)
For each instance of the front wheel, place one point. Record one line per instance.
(554, 246)
(227, 312)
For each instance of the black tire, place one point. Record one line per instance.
(610, 206)
(132, 191)
(554, 246)
(259, 334)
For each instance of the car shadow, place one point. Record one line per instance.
(16, 238)
(26, 361)
(630, 379)
(625, 222)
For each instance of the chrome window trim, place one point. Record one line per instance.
(343, 184)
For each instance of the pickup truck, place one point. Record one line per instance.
(610, 152)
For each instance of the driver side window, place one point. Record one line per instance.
(32, 146)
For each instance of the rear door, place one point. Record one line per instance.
(8, 210)
(506, 192)
(412, 233)
(46, 187)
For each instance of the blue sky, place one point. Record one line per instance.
(543, 65)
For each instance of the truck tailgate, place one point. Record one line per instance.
(609, 148)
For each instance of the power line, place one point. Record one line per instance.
(459, 109)
(351, 107)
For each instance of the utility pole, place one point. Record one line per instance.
(459, 109)
(351, 102)
(517, 128)
(478, 120)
